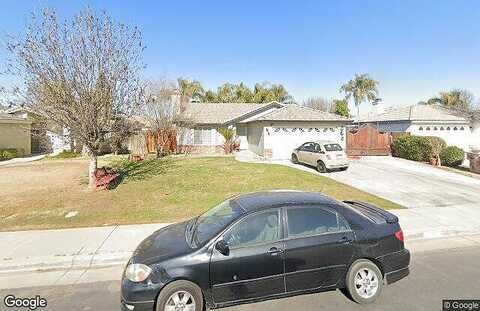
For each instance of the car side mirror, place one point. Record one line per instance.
(222, 247)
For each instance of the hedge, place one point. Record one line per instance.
(452, 156)
(418, 148)
(7, 154)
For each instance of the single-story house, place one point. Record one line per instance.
(270, 130)
(45, 137)
(15, 133)
(427, 120)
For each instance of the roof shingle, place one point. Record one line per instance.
(220, 113)
(416, 113)
(294, 112)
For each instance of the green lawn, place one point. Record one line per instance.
(165, 190)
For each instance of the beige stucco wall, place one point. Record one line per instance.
(15, 135)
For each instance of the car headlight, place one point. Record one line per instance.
(137, 272)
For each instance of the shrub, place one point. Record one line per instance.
(7, 154)
(418, 148)
(230, 143)
(411, 148)
(452, 156)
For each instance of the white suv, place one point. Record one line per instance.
(323, 154)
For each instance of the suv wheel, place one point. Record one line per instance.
(180, 295)
(364, 281)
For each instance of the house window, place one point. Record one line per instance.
(442, 128)
(202, 136)
(435, 128)
(448, 128)
(462, 129)
(420, 128)
(428, 128)
(455, 128)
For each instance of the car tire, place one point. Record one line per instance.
(321, 168)
(294, 158)
(360, 290)
(186, 290)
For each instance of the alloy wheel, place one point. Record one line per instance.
(180, 301)
(366, 283)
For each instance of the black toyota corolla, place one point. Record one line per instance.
(266, 245)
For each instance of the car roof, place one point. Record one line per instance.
(325, 142)
(263, 200)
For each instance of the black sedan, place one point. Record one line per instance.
(266, 245)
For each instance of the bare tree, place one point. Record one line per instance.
(163, 112)
(319, 103)
(81, 74)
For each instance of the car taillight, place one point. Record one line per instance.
(399, 235)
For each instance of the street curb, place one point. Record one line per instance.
(69, 262)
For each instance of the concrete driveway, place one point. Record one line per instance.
(440, 203)
(409, 183)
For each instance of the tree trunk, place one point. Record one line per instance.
(358, 114)
(92, 166)
(91, 171)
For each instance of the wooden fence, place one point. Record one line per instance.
(368, 141)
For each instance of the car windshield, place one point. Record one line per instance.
(333, 147)
(206, 226)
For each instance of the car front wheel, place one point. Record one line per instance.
(294, 158)
(180, 295)
(364, 281)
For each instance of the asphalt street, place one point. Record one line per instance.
(435, 275)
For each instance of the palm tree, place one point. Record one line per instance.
(455, 99)
(362, 88)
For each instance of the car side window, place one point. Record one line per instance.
(306, 221)
(308, 147)
(317, 148)
(254, 229)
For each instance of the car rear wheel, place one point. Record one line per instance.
(294, 158)
(180, 296)
(364, 281)
(321, 167)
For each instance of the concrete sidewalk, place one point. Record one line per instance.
(70, 248)
(23, 160)
(87, 248)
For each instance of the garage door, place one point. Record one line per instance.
(284, 139)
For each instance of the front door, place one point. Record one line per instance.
(254, 266)
(318, 249)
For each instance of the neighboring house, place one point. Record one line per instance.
(45, 137)
(427, 120)
(15, 134)
(270, 130)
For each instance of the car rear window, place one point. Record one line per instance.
(305, 221)
(333, 147)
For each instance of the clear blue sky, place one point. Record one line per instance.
(413, 48)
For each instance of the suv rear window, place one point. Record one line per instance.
(333, 147)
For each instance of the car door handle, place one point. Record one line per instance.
(275, 251)
(345, 240)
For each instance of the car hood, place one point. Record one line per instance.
(163, 244)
